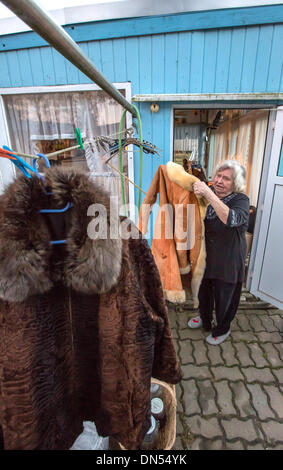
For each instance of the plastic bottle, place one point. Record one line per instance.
(156, 391)
(158, 410)
(151, 437)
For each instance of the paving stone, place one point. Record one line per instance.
(257, 446)
(174, 333)
(242, 399)
(255, 323)
(179, 390)
(275, 399)
(207, 397)
(228, 353)
(278, 374)
(214, 356)
(273, 431)
(188, 333)
(194, 371)
(265, 337)
(206, 427)
(237, 428)
(190, 397)
(268, 324)
(186, 352)
(278, 322)
(241, 323)
(230, 373)
(182, 319)
(179, 395)
(277, 447)
(243, 353)
(275, 311)
(224, 398)
(200, 355)
(260, 403)
(176, 345)
(172, 318)
(243, 336)
(178, 444)
(253, 374)
(206, 444)
(279, 348)
(257, 355)
(236, 445)
(272, 354)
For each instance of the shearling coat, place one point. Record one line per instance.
(178, 243)
(83, 326)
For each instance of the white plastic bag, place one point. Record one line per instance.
(89, 439)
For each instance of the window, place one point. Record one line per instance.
(46, 122)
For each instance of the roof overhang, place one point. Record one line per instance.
(118, 9)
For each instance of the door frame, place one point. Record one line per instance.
(273, 109)
(266, 204)
(261, 195)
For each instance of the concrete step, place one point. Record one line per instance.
(247, 302)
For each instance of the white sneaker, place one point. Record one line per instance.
(217, 339)
(195, 322)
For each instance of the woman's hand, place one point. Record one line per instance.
(201, 189)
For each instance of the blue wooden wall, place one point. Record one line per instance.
(245, 57)
(239, 60)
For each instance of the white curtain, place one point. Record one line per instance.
(50, 116)
(190, 138)
(242, 139)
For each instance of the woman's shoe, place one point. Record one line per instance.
(195, 322)
(217, 339)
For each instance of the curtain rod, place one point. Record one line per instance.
(43, 24)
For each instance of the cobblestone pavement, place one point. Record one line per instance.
(231, 395)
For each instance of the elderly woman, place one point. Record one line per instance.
(226, 222)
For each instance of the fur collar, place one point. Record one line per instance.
(26, 267)
(178, 175)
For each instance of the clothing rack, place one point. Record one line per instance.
(146, 146)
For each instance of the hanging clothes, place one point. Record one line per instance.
(176, 252)
(83, 326)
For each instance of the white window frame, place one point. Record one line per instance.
(126, 86)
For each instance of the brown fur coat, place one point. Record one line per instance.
(83, 328)
(176, 255)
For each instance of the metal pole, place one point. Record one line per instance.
(42, 23)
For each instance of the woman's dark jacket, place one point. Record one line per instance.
(82, 329)
(226, 243)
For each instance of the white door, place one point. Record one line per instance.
(267, 275)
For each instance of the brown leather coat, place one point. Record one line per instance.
(83, 328)
(178, 244)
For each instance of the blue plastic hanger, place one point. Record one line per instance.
(34, 163)
(50, 211)
(20, 163)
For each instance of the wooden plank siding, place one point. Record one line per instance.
(239, 60)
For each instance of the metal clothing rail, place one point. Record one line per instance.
(44, 25)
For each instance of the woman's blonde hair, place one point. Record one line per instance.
(239, 174)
